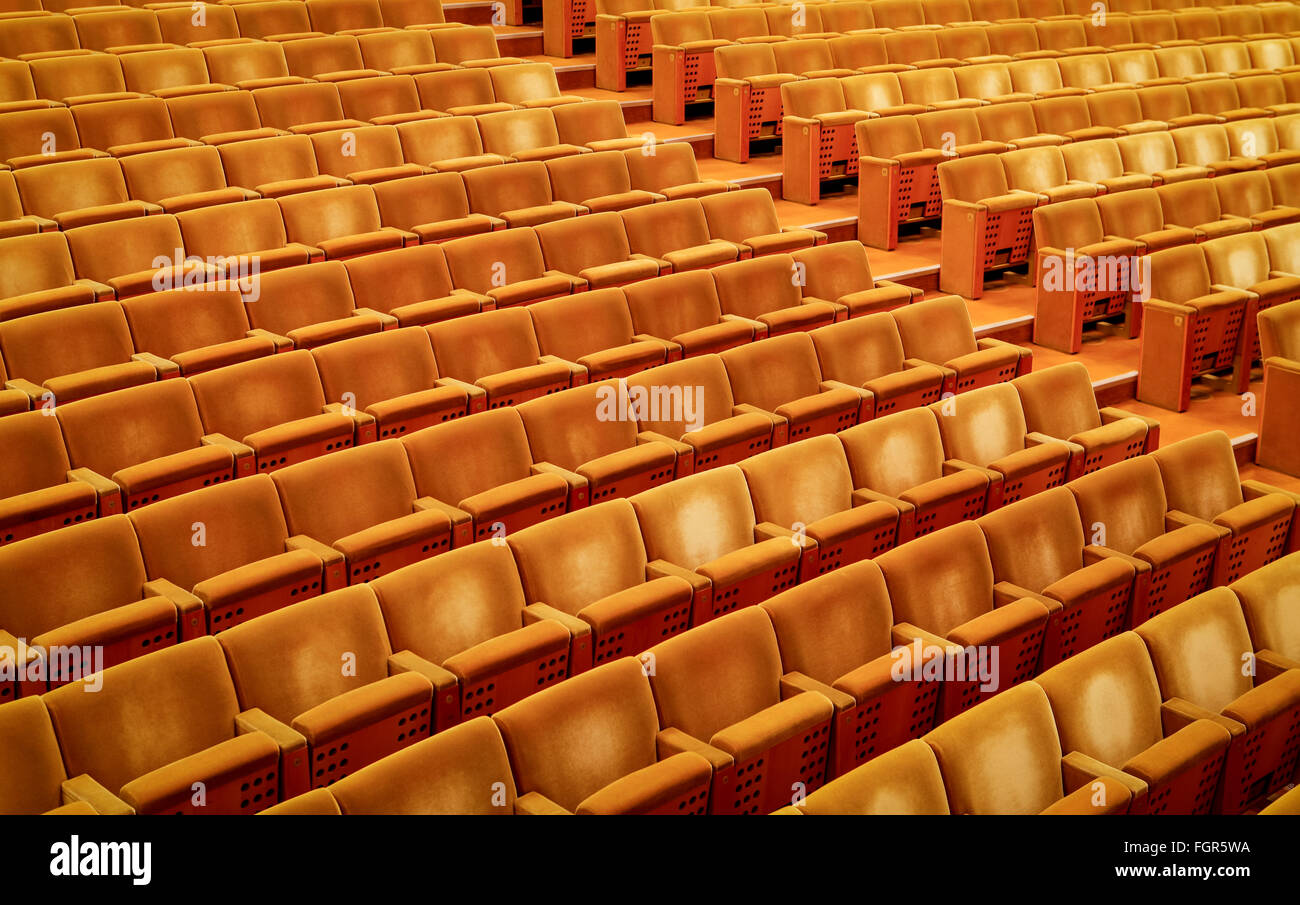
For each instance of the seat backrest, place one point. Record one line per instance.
(656, 229)
(1058, 401)
(369, 485)
(108, 124)
(809, 97)
(403, 13)
(1037, 541)
(1200, 475)
(288, 661)
(737, 216)
(935, 330)
(36, 262)
(159, 175)
(156, 70)
(1011, 734)
(61, 576)
(286, 106)
(189, 697)
(57, 188)
(524, 82)
(941, 580)
(444, 138)
(903, 780)
(573, 326)
(1106, 700)
(103, 29)
(1240, 260)
(855, 51)
(313, 56)
(735, 657)
(32, 775)
(404, 276)
(800, 483)
(129, 427)
(333, 16)
(350, 377)
(836, 269)
(572, 740)
(1279, 325)
(244, 398)
(37, 34)
(182, 25)
(36, 457)
(65, 341)
(572, 428)
(60, 77)
(485, 262)
(513, 131)
(1179, 274)
(696, 519)
(576, 559)
(200, 115)
(777, 370)
(578, 124)
(701, 384)
(1122, 506)
(1147, 153)
(455, 88)
(419, 200)
(442, 471)
(983, 425)
(1035, 169)
(579, 177)
(1268, 597)
(972, 178)
(345, 151)
(670, 164)
(230, 64)
(742, 61)
(478, 42)
(872, 91)
(1199, 648)
(948, 129)
(758, 286)
(672, 304)
(313, 217)
(271, 18)
(391, 50)
(244, 228)
(179, 320)
(1068, 225)
(928, 86)
(1132, 213)
(102, 251)
(896, 453)
(1005, 122)
(295, 297)
(1244, 194)
(494, 190)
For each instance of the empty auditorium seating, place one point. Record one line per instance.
(323, 670)
(840, 273)
(40, 492)
(767, 738)
(462, 621)
(1197, 650)
(1125, 514)
(599, 182)
(677, 233)
(938, 331)
(342, 222)
(731, 563)
(35, 780)
(508, 267)
(197, 329)
(971, 612)
(1170, 765)
(202, 740)
(363, 156)
(126, 255)
(83, 588)
(411, 284)
(593, 330)
(748, 217)
(986, 224)
(502, 489)
(237, 235)
(79, 192)
(37, 274)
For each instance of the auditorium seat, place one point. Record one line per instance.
(342, 222)
(459, 92)
(363, 156)
(781, 379)
(83, 588)
(79, 193)
(302, 109)
(347, 17)
(35, 780)
(677, 234)
(1195, 205)
(502, 359)
(475, 46)
(944, 593)
(593, 330)
(1202, 487)
(902, 780)
(986, 430)
(1249, 196)
(840, 273)
(1138, 215)
(768, 291)
(501, 488)
(896, 170)
(939, 331)
(125, 127)
(524, 135)
(1207, 146)
(508, 267)
(180, 179)
(217, 24)
(462, 621)
(404, 395)
(446, 774)
(287, 665)
(120, 31)
(1004, 757)
(767, 738)
(1060, 402)
(683, 310)
(37, 274)
(170, 72)
(670, 170)
(703, 528)
(433, 207)
(627, 607)
(1267, 601)
(13, 220)
(1125, 510)
(411, 284)
(205, 755)
(598, 125)
(311, 306)
(38, 491)
(449, 144)
(988, 223)
(373, 519)
(72, 353)
(594, 250)
(276, 407)
(1280, 354)
(73, 79)
(124, 254)
(1198, 650)
(216, 119)
(557, 769)
(37, 34)
(599, 182)
(197, 329)
(273, 20)
(1190, 325)
(1155, 154)
(234, 236)
(1170, 765)
(1171, 104)
(748, 217)
(528, 84)
(408, 51)
(519, 194)
(913, 476)
(581, 432)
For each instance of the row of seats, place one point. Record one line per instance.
(988, 201)
(806, 723)
(686, 66)
(824, 115)
(483, 269)
(628, 40)
(327, 399)
(1186, 729)
(750, 106)
(103, 26)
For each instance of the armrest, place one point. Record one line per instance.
(1094, 553)
(905, 634)
(573, 479)
(1177, 713)
(1005, 592)
(538, 805)
(186, 603)
(1269, 664)
(1078, 770)
(1253, 490)
(1175, 519)
(759, 328)
(9, 643)
(661, 568)
(474, 392)
(575, 370)
(85, 788)
(23, 385)
(406, 661)
(672, 741)
(864, 495)
(282, 343)
(952, 466)
(386, 319)
(104, 488)
(164, 367)
(324, 552)
(536, 612)
(256, 720)
(793, 683)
